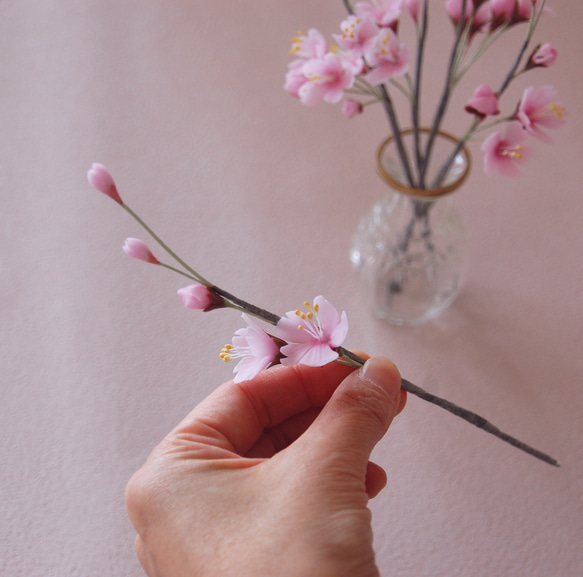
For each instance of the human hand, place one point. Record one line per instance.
(269, 477)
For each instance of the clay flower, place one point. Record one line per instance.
(100, 179)
(312, 336)
(327, 79)
(357, 34)
(387, 57)
(195, 296)
(138, 249)
(538, 107)
(502, 153)
(352, 108)
(545, 55)
(254, 347)
(371, 63)
(484, 102)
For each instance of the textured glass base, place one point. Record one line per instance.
(408, 254)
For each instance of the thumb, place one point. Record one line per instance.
(357, 415)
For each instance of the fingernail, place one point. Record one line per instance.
(384, 374)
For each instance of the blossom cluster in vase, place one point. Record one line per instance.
(369, 61)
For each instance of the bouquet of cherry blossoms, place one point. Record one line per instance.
(313, 336)
(369, 63)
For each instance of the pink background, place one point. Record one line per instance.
(184, 102)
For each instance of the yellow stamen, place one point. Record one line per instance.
(558, 110)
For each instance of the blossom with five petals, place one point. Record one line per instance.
(502, 153)
(256, 349)
(358, 33)
(484, 102)
(100, 179)
(538, 107)
(327, 79)
(312, 336)
(387, 57)
(138, 249)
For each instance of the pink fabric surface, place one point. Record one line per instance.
(183, 101)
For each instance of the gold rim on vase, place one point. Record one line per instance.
(423, 192)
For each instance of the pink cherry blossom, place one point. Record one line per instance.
(312, 336)
(138, 249)
(352, 108)
(312, 45)
(503, 153)
(484, 102)
(544, 55)
(327, 79)
(256, 349)
(358, 33)
(387, 57)
(100, 179)
(383, 12)
(539, 107)
(197, 296)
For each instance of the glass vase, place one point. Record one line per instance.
(408, 249)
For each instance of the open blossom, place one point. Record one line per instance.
(312, 336)
(503, 153)
(387, 57)
(539, 107)
(484, 102)
(312, 45)
(100, 179)
(138, 249)
(358, 33)
(256, 349)
(383, 12)
(327, 79)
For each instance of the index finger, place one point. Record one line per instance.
(235, 415)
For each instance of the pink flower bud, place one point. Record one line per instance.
(100, 179)
(135, 248)
(352, 108)
(545, 56)
(484, 102)
(196, 296)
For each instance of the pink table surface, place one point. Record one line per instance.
(184, 102)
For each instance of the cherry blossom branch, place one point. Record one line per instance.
(511, 74)
(325, 333)
(442, 106)
(393, 120)
(415, 109)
